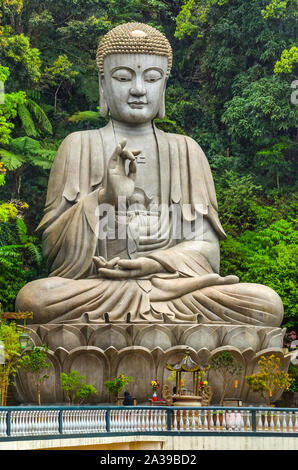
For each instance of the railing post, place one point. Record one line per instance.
(60, 418)
(254, 420)
(8, 419)
(108, 420)
(169, 420)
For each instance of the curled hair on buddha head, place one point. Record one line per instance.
(134, 38)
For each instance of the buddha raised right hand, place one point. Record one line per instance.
(119, 184)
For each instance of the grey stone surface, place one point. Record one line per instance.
(142, 351)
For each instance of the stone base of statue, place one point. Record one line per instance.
(102, 351)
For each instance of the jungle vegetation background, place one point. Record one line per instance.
(230, 89)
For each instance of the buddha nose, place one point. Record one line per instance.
(138, 89)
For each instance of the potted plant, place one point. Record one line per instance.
(155, 386)
(115, 386)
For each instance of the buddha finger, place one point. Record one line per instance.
(123, 143)
(132, 171)
(121, 159)
(127, 155)
(116, 154)
(227, 280)
(129, 264)
(99, 261)
(112, 262)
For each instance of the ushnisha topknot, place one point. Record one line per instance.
(134, 38)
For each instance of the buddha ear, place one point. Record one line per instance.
(162, 109)
(103, 105)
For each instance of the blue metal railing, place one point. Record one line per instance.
(33, 422)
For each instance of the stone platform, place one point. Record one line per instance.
(102, 351)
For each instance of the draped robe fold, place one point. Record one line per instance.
(74, 293)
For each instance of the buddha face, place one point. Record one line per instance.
(133, 86)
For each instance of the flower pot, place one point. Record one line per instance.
(154, 396)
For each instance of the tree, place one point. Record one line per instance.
(267, 256)
(17, 248)
(75, 387)
(228, 367)
(36, 363)
(9, 335)
(116, 385)
(59, 73)
(287, 61)
(270, 379)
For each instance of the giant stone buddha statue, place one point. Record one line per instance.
(131, 230)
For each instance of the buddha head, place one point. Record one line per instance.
(134, 62)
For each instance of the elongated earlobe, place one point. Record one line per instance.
(103, 105)
(162, 109)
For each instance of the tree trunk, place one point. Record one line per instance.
(56, 96)
(225, 384)
(17, 179)
(38, 393)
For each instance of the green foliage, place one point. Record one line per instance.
(268, 256)
(293, 373)
(117, 384)
(288, 59)
(263, 108)
(193, 16)
(277, 8)
(9, 335)
(16, 51)
(25, 150)
(79, 116)
(228, 367)
(36, 363)
(75, 387)
(270, 379)
(236, 195)
(19, 251)
(59, 73)
(7, 211)
(30, 128)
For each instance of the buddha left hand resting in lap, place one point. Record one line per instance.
(131, 229)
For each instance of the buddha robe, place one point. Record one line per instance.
(72, 229)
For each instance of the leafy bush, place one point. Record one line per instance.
(116, 385)
(270, 379)
(75, 387)
(268, 256)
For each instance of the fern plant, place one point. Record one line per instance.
(16, 261)
(29, 110)
(22, 152)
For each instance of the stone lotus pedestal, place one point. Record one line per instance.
(102, 351)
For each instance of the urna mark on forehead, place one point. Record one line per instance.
(134, 39)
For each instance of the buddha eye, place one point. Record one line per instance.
(152, 76)
(122, 75)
